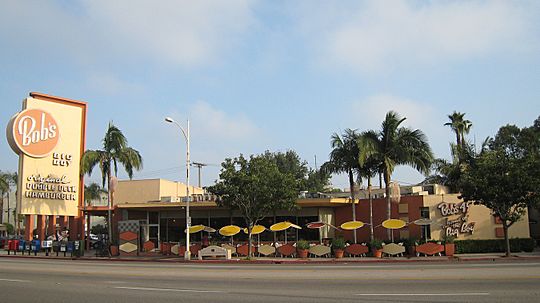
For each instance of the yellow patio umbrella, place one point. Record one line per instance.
(195, 229)
(229, 231)
(393, 224)
(352, 225)
(256, 230)
(281, 226)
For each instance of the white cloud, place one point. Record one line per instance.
(215, 124)
(181, 33)
(379, 35)
(372, 110)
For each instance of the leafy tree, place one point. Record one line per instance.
(255, 187)
(317, 180)
(504, 177)
(115, 150)
(395, 145)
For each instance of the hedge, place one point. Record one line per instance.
(490, 246)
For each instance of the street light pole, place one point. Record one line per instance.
(187, 255)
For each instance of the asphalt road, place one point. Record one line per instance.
(25, 280)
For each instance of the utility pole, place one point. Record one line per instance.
(199, 167)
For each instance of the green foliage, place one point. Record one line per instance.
(460, 126)
(448, 239)
(115, 150)
(255, 187)
(302, 244)
(306, 179)
(317, 181)
(338, 243)
(395, 145)
(376, 244)
(93, 192)
(491, 246)
(98, 229)
(504, 177)
(10, 229)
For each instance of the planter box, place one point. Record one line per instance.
(338, 253)
(449, 249)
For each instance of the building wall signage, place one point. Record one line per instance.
(49, 136)
(459, 225)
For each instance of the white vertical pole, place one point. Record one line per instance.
(188, 198)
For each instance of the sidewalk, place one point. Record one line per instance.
(90, 256)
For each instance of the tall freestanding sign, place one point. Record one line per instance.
(49, 136)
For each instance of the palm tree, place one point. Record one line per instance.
(92, 192)
(115, 150)
(4, 187)
(344, 159)
(394, 145)
(6, 181)
(460, 126)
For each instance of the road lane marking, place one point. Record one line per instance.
(170, 289)
(15, 280)
(433, 294)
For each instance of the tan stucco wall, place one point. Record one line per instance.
(151, 190)
(484, 227)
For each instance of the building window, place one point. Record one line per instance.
(426, 229)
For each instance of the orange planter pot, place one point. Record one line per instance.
(338, 253)
(114, 250)
(449, 249)
(377, 253)
(302, 253)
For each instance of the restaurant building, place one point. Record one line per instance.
(157, 208)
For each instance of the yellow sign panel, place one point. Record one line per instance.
(49, 136)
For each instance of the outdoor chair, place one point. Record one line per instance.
(266, 250)
(319, 250)
(393, 249)
(429, 249)
(286, 250)
(242, 250)
(355, 250)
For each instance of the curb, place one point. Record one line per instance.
(286, 261)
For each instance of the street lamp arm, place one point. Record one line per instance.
(170, 120)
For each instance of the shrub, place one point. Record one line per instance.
(375, 244)
(489, 246)
(302, 244)
(338, 243)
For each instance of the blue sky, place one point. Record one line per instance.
(271, 75)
